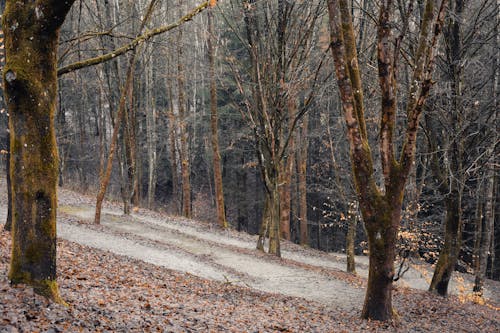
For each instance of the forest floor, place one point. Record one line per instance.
(154, 272)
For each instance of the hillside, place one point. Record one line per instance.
(152, 272)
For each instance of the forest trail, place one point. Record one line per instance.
(200, 249)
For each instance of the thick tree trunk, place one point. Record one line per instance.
(382, 231)
(219, 192)
(30, 81)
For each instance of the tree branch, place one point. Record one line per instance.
(422, 80)
(134, 43)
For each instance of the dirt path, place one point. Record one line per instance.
(195, 248)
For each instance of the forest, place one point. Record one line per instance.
(367, 129)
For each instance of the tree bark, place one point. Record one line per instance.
(151, 133)
(302, 180)
(264, 225)
(382, 230)
(274, 218)
(219, 192)
(351, 237)
(183, 127)
(285, 189)
(486, 231)
(30, 83)
(451, 248)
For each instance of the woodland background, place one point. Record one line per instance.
(164, 157)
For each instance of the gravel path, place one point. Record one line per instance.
(206, 255)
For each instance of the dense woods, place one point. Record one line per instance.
(365, 127)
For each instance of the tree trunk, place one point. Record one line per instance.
(219, 193)
(451, 248)
(381, 231)
(151, 132)
(116, 128)
(30, 81)
(453, 221)
(302, 180)
(119, 118)
(183, 126)
(274, 220)
(487, 228)
(172, 147)
(130, 146)
(285, 189)
(351, 237)
(264, 225)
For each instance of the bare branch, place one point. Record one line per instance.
(133, 44)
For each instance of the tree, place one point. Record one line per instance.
(283, 82)
(183, 128)
(451, 187)
(30, 81)
(381, 207)
(219, 193)
(118, 120)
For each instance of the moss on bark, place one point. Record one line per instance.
(30, 82)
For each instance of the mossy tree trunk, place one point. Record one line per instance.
(381, 207)
(30, 81)
(382, 223)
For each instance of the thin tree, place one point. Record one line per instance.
(219, 192)
(118, 120)
(183, 127)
